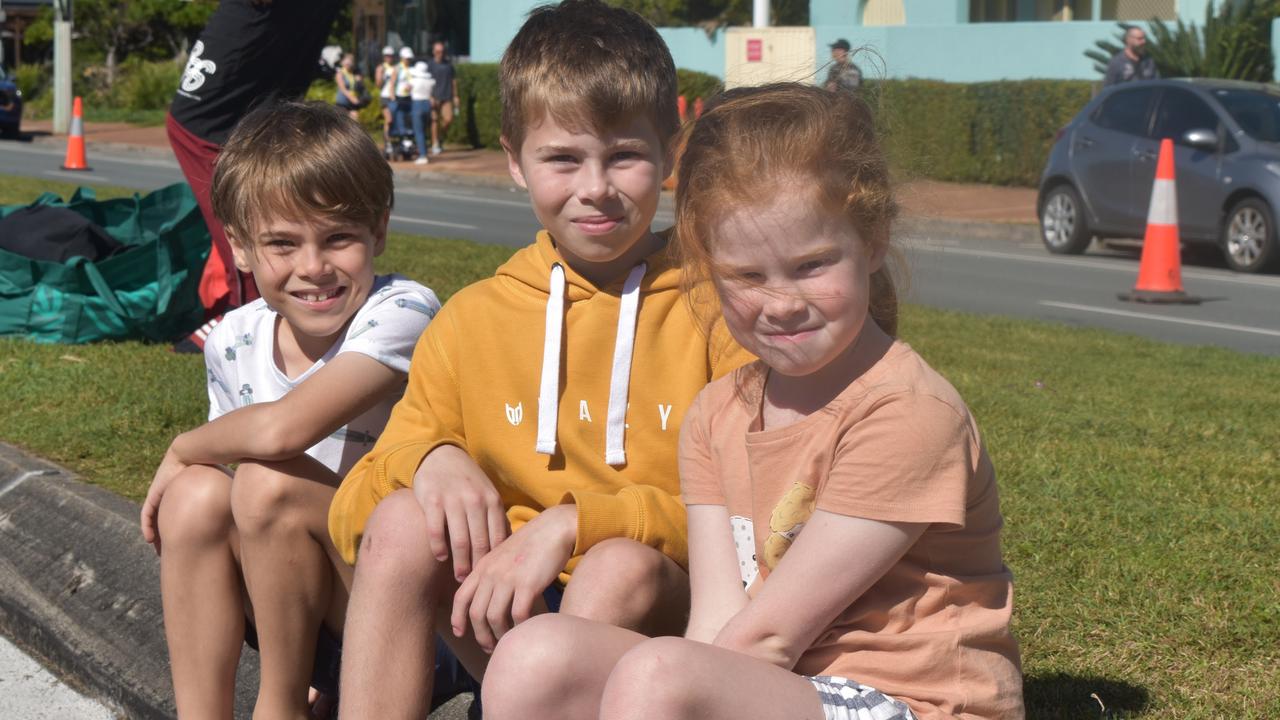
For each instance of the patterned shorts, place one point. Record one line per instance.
(844, 699)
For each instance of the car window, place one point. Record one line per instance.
(1180, 111)
(1125, 111)
(1258, 113)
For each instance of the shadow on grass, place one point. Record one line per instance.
(1068, 696)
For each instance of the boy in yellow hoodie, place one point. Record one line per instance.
(546, 399)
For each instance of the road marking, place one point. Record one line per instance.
(78, 177)
(1085, 263)
(1162, 318)
(442, 195)
(441, 223)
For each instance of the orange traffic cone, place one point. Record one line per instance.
(1160, 272)
(697, 108)
(75, 141)
(682, 106)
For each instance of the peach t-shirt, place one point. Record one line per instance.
(897, 445)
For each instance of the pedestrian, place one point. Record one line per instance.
(385, 78)
(1132, 62)
(403, 124)
(423, 85)
(445, 98)
(350, 87)
(844, 524)
(300, 383)
(249, 52)
(844, 74)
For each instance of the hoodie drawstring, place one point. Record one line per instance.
(620, 379)
(620, 376)
(549, 392)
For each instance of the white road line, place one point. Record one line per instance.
(79, 177)
(441, 223)
(463, 198)
(1162, 318)
(1273, 282)
(14, 483)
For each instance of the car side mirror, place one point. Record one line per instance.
(1201, 139)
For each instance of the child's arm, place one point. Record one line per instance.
(343, 389)
(714, 580)
(833, 561)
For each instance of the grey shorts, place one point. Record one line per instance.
(844, 699)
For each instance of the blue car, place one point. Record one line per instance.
(10, 105)
(1226, 135)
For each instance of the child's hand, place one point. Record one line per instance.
(501, 593)
(169, 468)
(459, 501)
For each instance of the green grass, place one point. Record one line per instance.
(1139, 480)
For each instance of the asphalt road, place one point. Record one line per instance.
(957, 270)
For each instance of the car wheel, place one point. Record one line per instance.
(1062, 225)
(9, 131)
(1249, 236)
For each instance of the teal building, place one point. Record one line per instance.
(952, 40)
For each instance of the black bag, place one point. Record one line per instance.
(55, 234)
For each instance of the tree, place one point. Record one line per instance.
(1233, 43)
(114, 30)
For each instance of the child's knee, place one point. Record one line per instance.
(262, 497)
(196, 507)
(620, 569)
(395, 543)
(537, 648)
(653, 676)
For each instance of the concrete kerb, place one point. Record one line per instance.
(80, 590)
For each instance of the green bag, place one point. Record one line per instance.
(149, 291)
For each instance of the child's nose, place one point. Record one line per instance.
(594, 185)
(315, 263)
(782, 305)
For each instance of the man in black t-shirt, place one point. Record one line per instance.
(444, 98)
(250, 51)
(1133, 62)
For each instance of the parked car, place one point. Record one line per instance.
(10, 105)
(1226, 135)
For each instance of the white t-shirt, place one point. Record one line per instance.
(422, 82)
(239, 358)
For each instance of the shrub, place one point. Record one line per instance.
(693, 84)
(993, 132)
(32, 79)
(146, 85)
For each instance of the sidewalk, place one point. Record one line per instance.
(976, 206)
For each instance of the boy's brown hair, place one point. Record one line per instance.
(300, 160)
(751, 143)
(589, 66)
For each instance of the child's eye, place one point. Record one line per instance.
(561, 159)
(340, 238)
(812, 266)
(624, 155)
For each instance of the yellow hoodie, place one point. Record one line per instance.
(490, 376)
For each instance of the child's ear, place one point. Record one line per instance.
(513, 163)
(878, 251)
(668, 161)
(380, 234)
(239, 253)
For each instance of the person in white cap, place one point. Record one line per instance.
(385, 78)
(404, 93)
(423, 84)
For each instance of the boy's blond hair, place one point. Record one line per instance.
(588, 66)
(299, 160)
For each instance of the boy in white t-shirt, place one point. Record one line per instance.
(301, 383)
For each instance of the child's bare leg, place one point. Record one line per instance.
(674, 678)
(388, 650)
(553, 666)
(201, 591)
(624, 583)
(294, 576)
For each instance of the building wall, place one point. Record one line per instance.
(937, 41)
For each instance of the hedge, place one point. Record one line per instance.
(993, 132)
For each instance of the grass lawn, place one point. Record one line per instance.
(1140, 485)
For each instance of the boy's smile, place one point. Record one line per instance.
(316, 274)
(595, 193)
